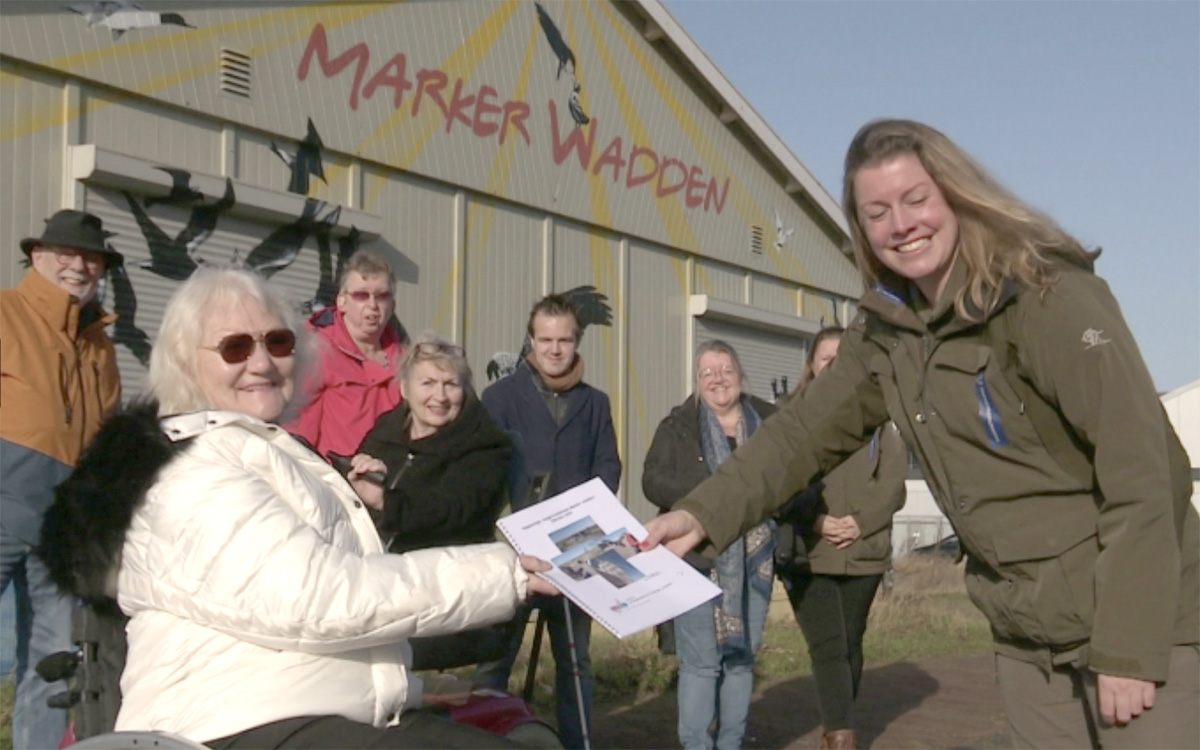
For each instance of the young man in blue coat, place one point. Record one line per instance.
(563, 426)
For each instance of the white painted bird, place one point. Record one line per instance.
(781, 236)
(576, 108)
(119, 17)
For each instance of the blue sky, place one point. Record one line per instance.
(1089, 111)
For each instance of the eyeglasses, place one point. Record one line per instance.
(380, 297)
(237, 348)
(65, 256)
(709, 373)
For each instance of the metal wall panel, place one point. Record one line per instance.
(31, 163)
(590, 257)
(817, 306)
(720, 281)
(418, 239)
(147, 130)
(659, 332)
(772, 294)
(504, 277)
(767, 358)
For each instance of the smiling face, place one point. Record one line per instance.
(909, 225)
(720, 384)
(261, 386)
(554, 343)
(366, 305)
(434, 394)
(76, 272)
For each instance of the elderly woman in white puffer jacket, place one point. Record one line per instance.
(263, 610)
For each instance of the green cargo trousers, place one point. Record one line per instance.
(1062, 710)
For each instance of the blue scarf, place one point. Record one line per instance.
(749, 560)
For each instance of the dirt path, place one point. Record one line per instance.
(946, 702)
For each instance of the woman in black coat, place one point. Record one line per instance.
(445, 461)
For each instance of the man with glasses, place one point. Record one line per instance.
(364, 344)
(60, 381)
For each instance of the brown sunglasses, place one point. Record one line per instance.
(237, 348)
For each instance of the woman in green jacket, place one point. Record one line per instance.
(834, 553)
(1012, 375)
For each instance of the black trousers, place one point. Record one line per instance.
(832, 613)
(417, 730)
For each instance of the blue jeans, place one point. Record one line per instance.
(495, 674)
(711, 686)
(43, 627)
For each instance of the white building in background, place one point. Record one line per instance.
(1183, 409)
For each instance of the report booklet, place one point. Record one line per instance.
(592, 541)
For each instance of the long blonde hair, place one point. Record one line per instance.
(999, 236)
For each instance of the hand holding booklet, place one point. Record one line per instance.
(592, 542)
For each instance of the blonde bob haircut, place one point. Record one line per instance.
(172, 377)
(429, 347)
(1000, 237)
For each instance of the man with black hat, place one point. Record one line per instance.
(59, 381)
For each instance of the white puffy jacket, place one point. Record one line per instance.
(258, 590)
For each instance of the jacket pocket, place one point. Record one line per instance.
(1043, 588)
(973, 362)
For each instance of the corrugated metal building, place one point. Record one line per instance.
(492, 151)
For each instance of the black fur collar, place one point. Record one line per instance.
(84, 529)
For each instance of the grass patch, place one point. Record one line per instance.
(923, 613)
(7, 689)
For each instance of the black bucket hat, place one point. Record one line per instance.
(78, 230)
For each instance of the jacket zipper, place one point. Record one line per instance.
(403, 468)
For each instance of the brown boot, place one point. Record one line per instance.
(839, 739)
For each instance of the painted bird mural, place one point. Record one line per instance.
(305, 163)
(781, 235)
(280, 248)
(182, 193)
(577, 113)
(555, 38)
(175, 259)
(120, 17)
(125, 330)
(592, 309)
(327, 284)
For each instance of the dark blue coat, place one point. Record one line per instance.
(582, 447)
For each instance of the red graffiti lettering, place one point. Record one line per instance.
(318, 45)
(430, 83)
(397, 80)
(665, 190)
(633, 180)
(690, 198)
(515, 115)
(483, 109)
(611, 158)
(458, 103)
(710, 195)
(575, 140)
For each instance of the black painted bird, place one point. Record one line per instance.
(591, 308)
(327, 289)
(561, 50)
(182, 193)
(305, 163)
(280, 248)
(125, 330)
(176, 258)
(576, 108)
(203, 220)
(168, 258)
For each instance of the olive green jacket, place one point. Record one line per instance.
(868, 486)
(1099, 567)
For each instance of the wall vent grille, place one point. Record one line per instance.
(756, 240)
(235, 73)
